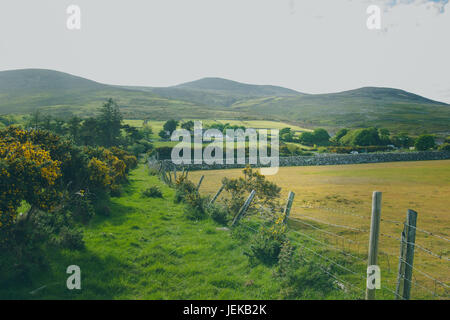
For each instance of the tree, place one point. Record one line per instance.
(339, 135)
(89, 132)
(307, 138)
(73, 127)
(425, 142)
(110, 123)
(132, 134)
(286, 134)
(189, 125)
(146, 131)
(361, 137)
(318, 137)
(402, 140)
(163, 134)
(321, 137)
(170, 126)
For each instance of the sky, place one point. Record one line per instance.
(313, 46)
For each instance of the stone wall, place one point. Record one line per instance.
(331, 159)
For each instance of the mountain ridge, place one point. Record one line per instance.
(62, 94)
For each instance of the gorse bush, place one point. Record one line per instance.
(267, 193)
(183, 187)
(187, 193)
(70, 238)
(59, 181)
(218, 213)
(152, 192)
(263, 248)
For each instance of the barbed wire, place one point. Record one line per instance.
(425, 274)
(328, 245)
(418, 247)
(334, 211)
(419, 285)
(333, 225)
(333, 262)
(333, 276)
(428, 232)
(392, 291)
(324, 231)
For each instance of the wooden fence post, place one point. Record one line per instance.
(217, 194)
(406, 260)
(200, 182)
(170, 176)
(244, 208)
(287, 208)
(373, 238)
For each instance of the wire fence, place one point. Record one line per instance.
(323, 232)
(325, 243)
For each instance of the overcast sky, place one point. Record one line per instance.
(312, 46)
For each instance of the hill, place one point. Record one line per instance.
(61, 94)
(218, 91)
(394, 109)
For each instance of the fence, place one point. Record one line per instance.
(346, 246)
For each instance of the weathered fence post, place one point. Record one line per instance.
(170, 176)
(373, 239)
(217, 194)
(287, 208)
(406, 259)
(200, 182)
(244, 208)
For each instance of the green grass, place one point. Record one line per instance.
(423, 186)
(147, 249)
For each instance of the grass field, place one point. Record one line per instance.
(255, 124)
(148, 249)
(157, 126)
(341, 195)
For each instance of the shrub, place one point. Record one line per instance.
(183, 188)
(425, 142)
(267, 193)
(301, 282)
(298, 280)
(264, 247)
(218, 213)
(153, 192)
(194, 213)
(70, 239)
(104, 210)
(445, 147)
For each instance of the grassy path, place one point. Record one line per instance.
(146, 249)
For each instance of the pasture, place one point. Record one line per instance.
(341, 195)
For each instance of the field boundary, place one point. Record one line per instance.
(323, 160)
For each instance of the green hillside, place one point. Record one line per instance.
(394, 109)
(61, 94)
(218, 92)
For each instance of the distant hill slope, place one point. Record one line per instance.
(61, 94)
(38, 80)
(395, 109)
(218, 91)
